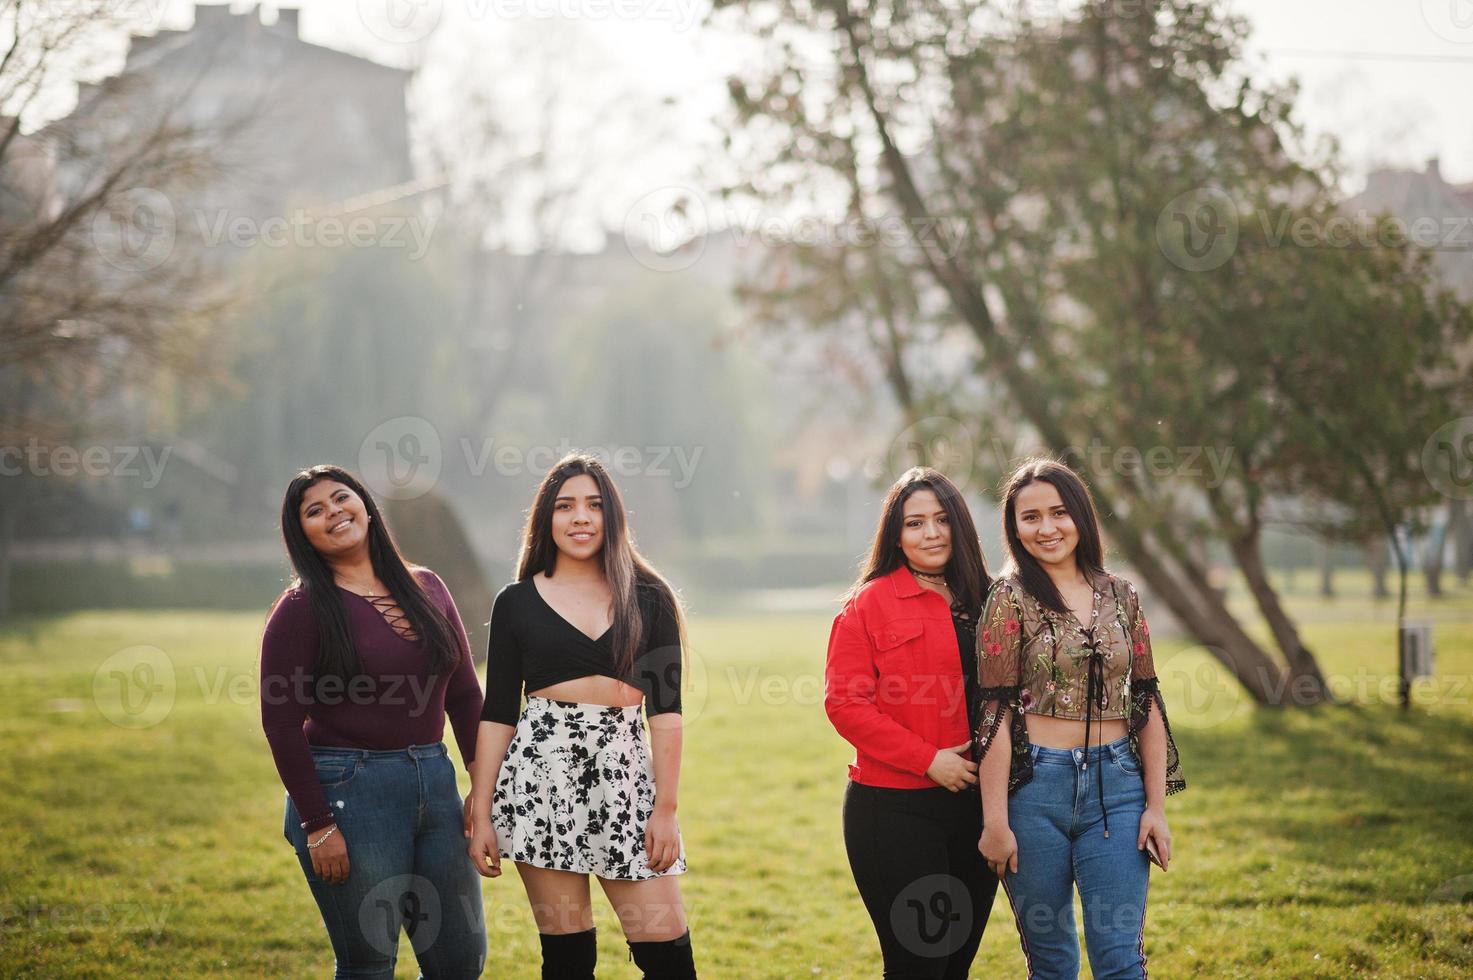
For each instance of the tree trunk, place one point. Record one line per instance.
(1326, 552)
(1377, 562)
(1306, 682)
(1306, 685)
(7, 536)
(1202, 613)
(1460, 526)
(1434, 545)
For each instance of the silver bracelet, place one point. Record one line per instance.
(332, 830)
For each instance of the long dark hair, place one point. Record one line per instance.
(628, 574)
(1089, 553)
(335, 652)
(966, 569)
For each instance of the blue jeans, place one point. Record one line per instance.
(1057, 820)
(400, 813)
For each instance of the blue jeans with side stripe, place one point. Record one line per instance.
(399, 812)
(1059, 824)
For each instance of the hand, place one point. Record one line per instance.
(949, 769)
(999, 849)
(329, 859)
(467, 811)
(1153, 825)
(661, 841)
(484, 852)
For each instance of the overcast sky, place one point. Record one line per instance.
(1389, 78)
(1407, 97)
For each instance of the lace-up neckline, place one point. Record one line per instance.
(391, 612)
(1106, 673)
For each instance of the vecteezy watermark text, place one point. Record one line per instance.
(1200, 230)
(665, 230)
(401, 458)
(36, 916)
(37, 459)
(305, 229)
(412, 21)
(510, 459)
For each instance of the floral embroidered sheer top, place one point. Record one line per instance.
(1034, 660)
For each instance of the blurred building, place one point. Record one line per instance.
(302, 124)
(28, 190)
(290, 133)
(1444, 210)
(1437, 216)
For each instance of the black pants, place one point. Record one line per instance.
(915, 859)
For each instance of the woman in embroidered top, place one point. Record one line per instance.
(898, 684)
(362, 660)
(1076, 756)
(566, 787)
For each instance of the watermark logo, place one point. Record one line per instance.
(932, 916)
(1451, 20)
(1455, 891)
(134, 688)
(937, 441)
(1447, 459)
(1198, 231)
(694, 683)
(401, 21)
(400, 459)
(142, 15)
(135, 230)
(665, 230)
(1205, 695)
(409, 901)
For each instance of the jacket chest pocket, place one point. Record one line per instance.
(896, 645)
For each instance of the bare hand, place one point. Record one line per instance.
(949, 769)
(661, 841)
(999, 849)
(1153, 825)
(484, 852)
(330, 858)
(467, 812)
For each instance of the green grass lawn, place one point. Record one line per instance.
(1322, 843)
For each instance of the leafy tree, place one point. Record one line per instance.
(1119, 191)
(101, 291)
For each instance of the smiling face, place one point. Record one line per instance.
(925, 532)
(1044, 525)
(333, 518)
(578, 518)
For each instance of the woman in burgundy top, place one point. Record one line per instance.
(899, 685)
(361, 661)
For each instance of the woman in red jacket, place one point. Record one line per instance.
(898, 685)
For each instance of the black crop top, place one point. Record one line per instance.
(532, 645)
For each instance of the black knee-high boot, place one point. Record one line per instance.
(570, 956)
(668, 960)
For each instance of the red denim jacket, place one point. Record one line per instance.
(893, 683)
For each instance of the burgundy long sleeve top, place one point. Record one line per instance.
(394, 703)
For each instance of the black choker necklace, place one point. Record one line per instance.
(933, 576)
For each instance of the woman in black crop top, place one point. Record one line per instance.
(567, 786)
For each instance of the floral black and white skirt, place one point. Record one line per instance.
(576, 790)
